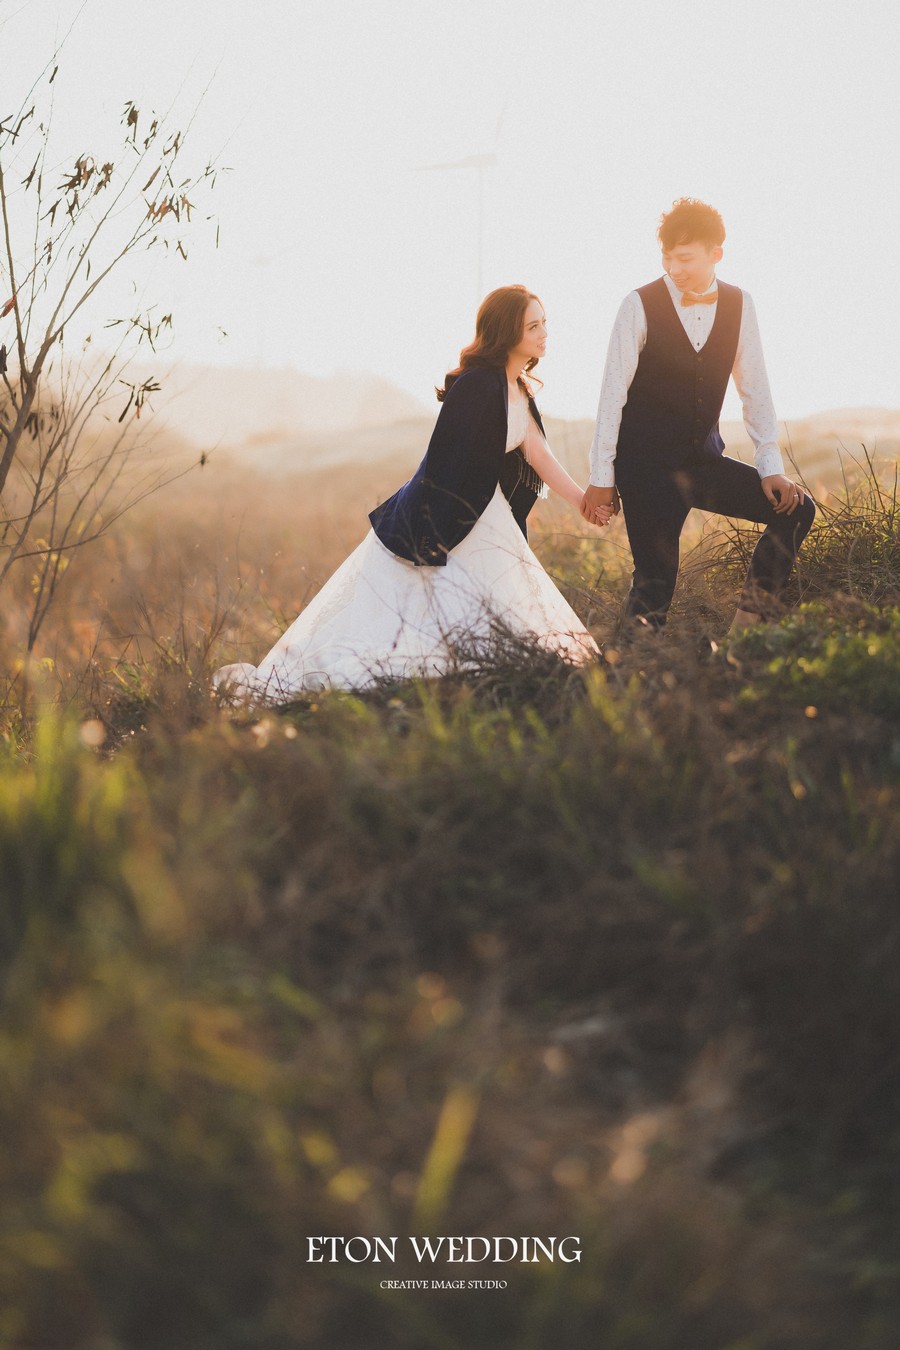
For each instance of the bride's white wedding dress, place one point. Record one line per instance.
(381, 617)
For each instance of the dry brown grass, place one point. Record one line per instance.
(639, 922)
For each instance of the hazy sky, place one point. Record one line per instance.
(338, 252)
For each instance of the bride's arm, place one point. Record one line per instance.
(542, 458)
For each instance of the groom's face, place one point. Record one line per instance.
(692, 266)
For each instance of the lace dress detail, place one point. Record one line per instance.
(517, 429)
(381, 617)
(516, 424)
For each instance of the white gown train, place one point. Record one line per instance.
(381, 617)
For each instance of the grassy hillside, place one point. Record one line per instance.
(528, 951)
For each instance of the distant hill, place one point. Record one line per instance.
(284, 422)
(234, 407)
(820, 445)
(827, 441)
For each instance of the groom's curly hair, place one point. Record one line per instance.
(690, 221)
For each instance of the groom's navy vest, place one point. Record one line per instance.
(675, 399)
(465, 460)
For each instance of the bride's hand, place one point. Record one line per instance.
(599, 505)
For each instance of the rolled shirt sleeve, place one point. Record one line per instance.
(752, 384)
(626, 343)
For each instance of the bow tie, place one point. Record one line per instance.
(689, 298)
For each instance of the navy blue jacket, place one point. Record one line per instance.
(465, 460)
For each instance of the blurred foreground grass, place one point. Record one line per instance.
(531, 951)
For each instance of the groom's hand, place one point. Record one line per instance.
(784, 495)
(599, 505)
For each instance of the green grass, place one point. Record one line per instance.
(530, 951)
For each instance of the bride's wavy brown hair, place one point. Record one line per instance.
(499, 326)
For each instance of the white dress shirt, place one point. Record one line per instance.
(628, 338)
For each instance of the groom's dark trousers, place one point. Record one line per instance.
(655, 503)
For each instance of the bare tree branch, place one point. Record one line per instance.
(66, 475)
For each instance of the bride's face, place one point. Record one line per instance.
(533, 342)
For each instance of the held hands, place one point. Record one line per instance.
(784, 495)
(599, 505)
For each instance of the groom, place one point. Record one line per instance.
(657, 445)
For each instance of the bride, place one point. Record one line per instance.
(446, 565)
